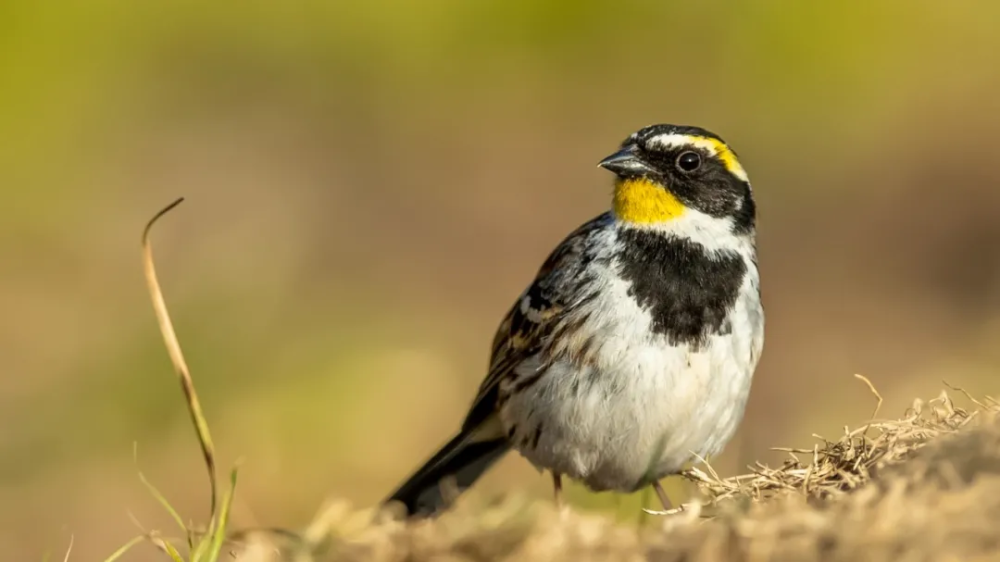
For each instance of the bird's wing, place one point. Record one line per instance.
(534, 316)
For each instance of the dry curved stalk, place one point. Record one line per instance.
(176, 355)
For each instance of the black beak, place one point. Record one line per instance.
(626, 162)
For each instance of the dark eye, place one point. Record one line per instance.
(689, 161)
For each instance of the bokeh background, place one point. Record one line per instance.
(370, 185)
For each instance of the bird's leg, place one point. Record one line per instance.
(557, 489)
(667, 506)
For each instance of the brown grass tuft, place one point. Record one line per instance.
(834, 468)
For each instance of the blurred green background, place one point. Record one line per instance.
(370, 185)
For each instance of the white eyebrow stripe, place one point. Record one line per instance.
(669, 140)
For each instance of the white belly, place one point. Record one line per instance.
(641, 408)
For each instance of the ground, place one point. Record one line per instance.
(922, 487)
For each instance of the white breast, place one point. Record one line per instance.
(643, 407)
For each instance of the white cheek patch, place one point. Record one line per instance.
(713, 147)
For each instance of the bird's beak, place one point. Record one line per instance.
(626, 162)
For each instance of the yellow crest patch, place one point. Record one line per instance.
(641, 201)
(726, 156)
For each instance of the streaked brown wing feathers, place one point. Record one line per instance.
(532, 318)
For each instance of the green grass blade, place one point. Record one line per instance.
(204, 541)
(171, 551)
(219, 534)
(125, 548)
(163, 501)
(198, 553)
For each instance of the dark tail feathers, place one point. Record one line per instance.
(462, 459)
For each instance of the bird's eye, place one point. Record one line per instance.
(689, 161)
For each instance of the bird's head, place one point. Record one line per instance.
(666, 171)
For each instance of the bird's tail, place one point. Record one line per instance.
(464, 459)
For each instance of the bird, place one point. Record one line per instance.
(632, 351)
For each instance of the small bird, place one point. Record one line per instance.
(632, 351)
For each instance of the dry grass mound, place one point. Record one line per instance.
(923, 487)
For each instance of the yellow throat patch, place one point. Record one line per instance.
(641, 201)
